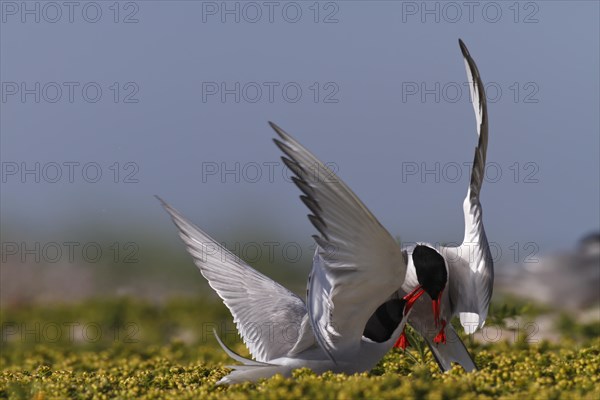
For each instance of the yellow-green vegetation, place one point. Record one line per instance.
(125, 349)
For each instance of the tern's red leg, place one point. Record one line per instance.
(402, 342)
(436, 309)
(441, 336)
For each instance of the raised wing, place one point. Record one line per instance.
(358, 264)
(471, 267)
(479, 102)
(264, 311)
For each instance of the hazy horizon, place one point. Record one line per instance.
(383, 101)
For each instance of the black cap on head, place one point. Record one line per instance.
(385, 320)
(431, 270)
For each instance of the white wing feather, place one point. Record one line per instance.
(358, 264)
(264, 311)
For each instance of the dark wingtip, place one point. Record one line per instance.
(277, 129)
(278, 143)
(172, 212)
(162, 202)
(463, 48)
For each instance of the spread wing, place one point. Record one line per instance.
(358, 264)
(471, 267)
(264, 311)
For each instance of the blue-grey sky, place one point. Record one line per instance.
(382, 99)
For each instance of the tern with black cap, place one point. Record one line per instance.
(362, 289)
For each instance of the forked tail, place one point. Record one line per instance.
(453, 350)
(251, 371)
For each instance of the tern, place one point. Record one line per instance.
(470, 269)
(361, 290)
(350, 319)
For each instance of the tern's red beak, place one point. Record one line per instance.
(412, 297)
(436, 308)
